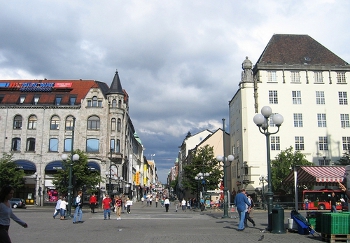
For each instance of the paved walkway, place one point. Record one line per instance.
(146, 224)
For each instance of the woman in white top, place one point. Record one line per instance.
(63, 208)
(166, 203)
(6, 213)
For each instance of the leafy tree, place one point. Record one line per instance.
(202, 160)
(345, 160)
(9, 173)
(282, 164)
(82, 177)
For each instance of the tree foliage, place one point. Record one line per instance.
(345, 160)
(282, 164)
(9, 173)
(82, 177)
(202, 160)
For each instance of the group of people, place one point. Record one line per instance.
(244, 205)
(117, 204)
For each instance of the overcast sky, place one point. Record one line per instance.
(180, 61)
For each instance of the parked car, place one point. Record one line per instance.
(17, 203)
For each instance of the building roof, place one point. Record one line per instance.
(297, 49)
(48, 90)
(116, 86)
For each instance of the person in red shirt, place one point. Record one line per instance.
(118, 206)
(93, 202)
(106, 205)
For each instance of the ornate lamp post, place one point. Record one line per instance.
(262, 180)
(200, 177)
(262, 121)
(114, 176)
(74, 157)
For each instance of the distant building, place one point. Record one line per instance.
(308, 85)
(39, 118)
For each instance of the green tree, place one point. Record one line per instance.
(9, 173)
(282, 164)
(345, 160)
(202, 160)
(82, 176)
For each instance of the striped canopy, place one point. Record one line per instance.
(317, 175)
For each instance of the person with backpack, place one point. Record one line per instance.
(78, 211)
(247, 213)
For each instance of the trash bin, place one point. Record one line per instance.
(278, 220)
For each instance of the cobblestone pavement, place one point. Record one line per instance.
(146, 224)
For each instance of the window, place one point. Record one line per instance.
(296, 97)
(17, 122)
(58, 99)
(295, 77)
(92, 145)
(275, 143)
(271, 76)
(318, 77)
(72, 100)
(93, 123)
(114, 103)
(53, 145)
(30, 145)
(68, 145)
(117, 148)
(299, 143)
(346, 143)
(119, 104)
(344, 120)
(341, 77)
(36, 99)
(343, 98)
(320, 99)
(324, 161)
(113, 124)
(271, 123)
(112, 145)
(273, 99)
(32, 121)
(322, 143)
(70, 120)
(1, 98)
(94, 102)
(321, 120)
(55, 123)
(22, 99)
(119, 125)
(16, 144)
(298, 119)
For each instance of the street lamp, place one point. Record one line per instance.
(113, 168)
(262, 180)
(200, 178)
(74, 157)
(262, 121)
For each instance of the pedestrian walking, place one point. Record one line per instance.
(6, 213)
(57, 207)
(142, 199)
(93, 202)
(333, 203)
(150, 200)
(166, 204)
(106, 205)
(157, 200)
(118, 206)
(63, 208)
(241, 202)
(78, 214)
(247, 213)
(183, 205)
(128, 205)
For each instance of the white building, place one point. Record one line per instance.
(308, 85)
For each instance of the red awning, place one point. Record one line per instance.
(317, 175)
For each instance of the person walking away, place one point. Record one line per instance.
(6, 213)
(166, 204)
(118, 206)
(150, 200)
(128, 205)
(241, 202)
(63, 208)
(106, 205)
(183, 205)
(78, 209)
(157, 200)
(57, 207)
(93, 202)
(248, 211)
(333, 203)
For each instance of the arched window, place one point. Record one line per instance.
(119, 104)
(55, 123)
(117, 147)
(114, 103)
(17, 122)
(69, 123)
(16, 144)
(94, 101)
(93, 123)
(32, 121)
(92, 145)
(30, 144)
(119, 125)
(113, 124)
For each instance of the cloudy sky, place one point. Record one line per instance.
(179, 60)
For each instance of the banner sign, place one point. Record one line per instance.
(35, 87)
